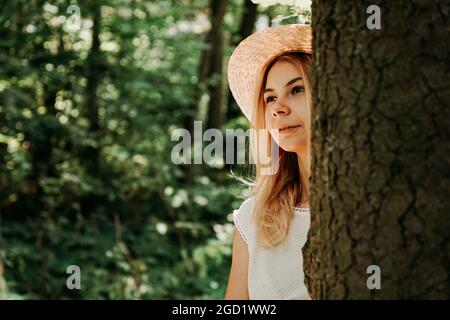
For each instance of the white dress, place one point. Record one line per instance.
(277, 273)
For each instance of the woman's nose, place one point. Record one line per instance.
(280, 108)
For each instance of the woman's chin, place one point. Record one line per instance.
(290, 148)
(293, 147)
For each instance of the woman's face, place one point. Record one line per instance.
(285, 107)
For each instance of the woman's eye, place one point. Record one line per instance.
(270, 99)
(298, 89)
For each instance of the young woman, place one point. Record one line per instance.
(269, 75)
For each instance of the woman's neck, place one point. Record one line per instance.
(304, 168)
(305, 173)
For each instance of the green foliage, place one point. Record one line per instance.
(85, 170)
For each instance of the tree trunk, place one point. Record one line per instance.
(91, 154)
(92, 101)
(381, 151)
(211, 60)
(215, 82)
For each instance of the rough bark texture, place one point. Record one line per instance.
(215, 85)
(381, 151)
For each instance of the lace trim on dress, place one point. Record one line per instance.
(238, 226)
(301, 210)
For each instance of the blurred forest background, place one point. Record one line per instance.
(87, 107)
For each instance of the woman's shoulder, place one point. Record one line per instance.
(245, 210)
(247, 205)
(242, 217)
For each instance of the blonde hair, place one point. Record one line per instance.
(277, 194)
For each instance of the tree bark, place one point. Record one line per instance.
(215, 76)
(381, 151)
(93, 81)
(91, 154)
(210, 66)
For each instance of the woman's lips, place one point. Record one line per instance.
(288, 129)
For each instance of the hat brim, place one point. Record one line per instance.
(252, 56)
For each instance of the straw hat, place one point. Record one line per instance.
(252, 56)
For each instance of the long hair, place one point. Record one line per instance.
(278, 193)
